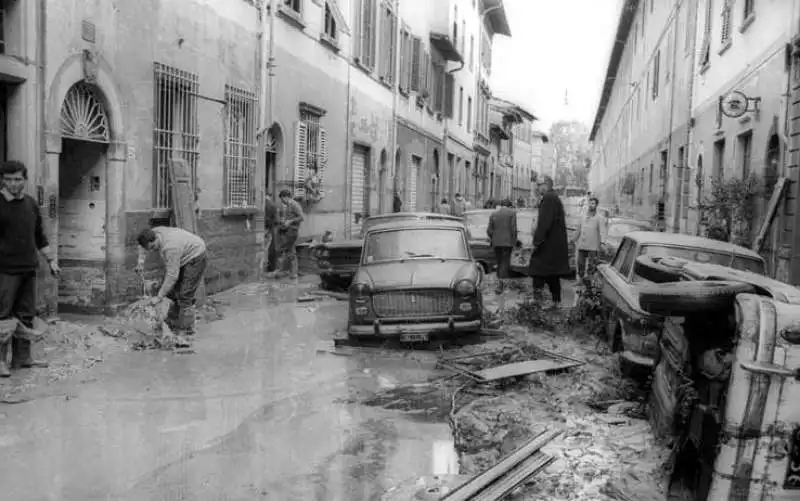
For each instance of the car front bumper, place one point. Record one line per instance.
(378, 329)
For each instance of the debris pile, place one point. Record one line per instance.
(600, 414)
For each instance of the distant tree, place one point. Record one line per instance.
(571, 142)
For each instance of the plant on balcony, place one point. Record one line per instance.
(729, 209)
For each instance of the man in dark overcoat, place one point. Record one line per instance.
(502, 232)
(549, 260)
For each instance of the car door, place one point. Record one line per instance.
(614, 280)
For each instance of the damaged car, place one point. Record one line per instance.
(415, 278)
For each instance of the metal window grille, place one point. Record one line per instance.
(175, 128)
(240, 147)
(726, 24)
(313, 155)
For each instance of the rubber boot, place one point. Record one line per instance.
(293, 267)
(4, 349)
(23, 356)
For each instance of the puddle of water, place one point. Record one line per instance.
(444, 458)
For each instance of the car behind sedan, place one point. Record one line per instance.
(415, 279)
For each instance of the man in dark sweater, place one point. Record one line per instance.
(22, 238)
(270, 225)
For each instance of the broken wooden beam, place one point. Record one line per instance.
(524, 368)
(507, 483)
(460, 370)
(479, 483)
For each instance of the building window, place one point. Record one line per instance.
(239, 160)
(330, 24)
(472, 51)
(705, 56)
(311, 150)
(749, 8)
(656, 69)
(469, 114)
(405, 60)
(463, 38)
(461, 106)
(719, 159)
(745, 149)
(175, 129)
(455, 25)
(388, 54)
(725, 31)
(416, 64)
(438, 87)
(295, 5)
(367, 36)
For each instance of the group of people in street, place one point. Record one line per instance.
(281, 229)
(549, 262)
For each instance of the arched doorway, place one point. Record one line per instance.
(397, 185)
(771, 170)
(83, 190)
(273, 146)
(384, 167)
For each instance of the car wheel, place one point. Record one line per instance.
(656, 271)
(682, 298)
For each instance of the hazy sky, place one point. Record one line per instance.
(555, 45)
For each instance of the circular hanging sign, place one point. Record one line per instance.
(734, 104)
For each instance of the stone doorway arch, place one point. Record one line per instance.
(85, 179)
(273, 149)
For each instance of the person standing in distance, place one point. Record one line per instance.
(22, 239)
(270, 223)
(590, 236)
(290, 216)
(502, 233)
(549, 259)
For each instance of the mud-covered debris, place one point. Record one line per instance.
(307, 298)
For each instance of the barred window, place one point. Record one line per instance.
(175, 128)
(239, 161)
(311, 151)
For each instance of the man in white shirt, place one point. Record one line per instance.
(588, 239)
(184, 256)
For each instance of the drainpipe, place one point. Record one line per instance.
(672, 116)
(447, 126)
(42, 57)
(395, 98)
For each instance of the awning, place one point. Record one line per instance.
(496, 15)
(446, 47)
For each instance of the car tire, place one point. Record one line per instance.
(655, 271)
(681, 298)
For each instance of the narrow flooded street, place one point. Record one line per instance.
(257, 412)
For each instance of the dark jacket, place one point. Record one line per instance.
(550, 255)
(502, 229)
(397, 204)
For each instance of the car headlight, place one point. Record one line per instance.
(465, 287)
(360, 289)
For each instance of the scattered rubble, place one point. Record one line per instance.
(599, 412)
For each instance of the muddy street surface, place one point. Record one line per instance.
(262, 408)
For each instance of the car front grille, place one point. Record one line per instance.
(413, 303)
(344, 258)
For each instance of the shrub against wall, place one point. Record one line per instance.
(729, 209)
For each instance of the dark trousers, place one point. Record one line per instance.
(503, 256)
(18, 297)
(553, 283)
(587, 262)
(181, 311)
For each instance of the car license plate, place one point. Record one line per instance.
(792, 480)
(520, 257)
(413, 338)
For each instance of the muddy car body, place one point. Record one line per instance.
(337, 260)
(415, 278)
(630, 329)
(617, 228)
(726, 389)
(477, 222)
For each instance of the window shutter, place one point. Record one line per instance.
(358, 34)
(423, 73)
(416, 55)
(409, 62)
(368, 34)
(300, 152)
(449, 92)
(392, 47)
(438, 91)
(323, 154)
(383, 51)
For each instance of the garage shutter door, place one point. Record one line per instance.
(358, 165)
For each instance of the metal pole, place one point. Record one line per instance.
(395, 94)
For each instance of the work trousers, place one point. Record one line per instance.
(181, 315)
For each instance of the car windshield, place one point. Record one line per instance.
(417, 243)
(478, 222)
(619, 230)
(736, 262)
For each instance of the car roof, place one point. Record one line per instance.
(628, 220)
(378, 219)
(489, 211)
(412, 224)
(681, 240)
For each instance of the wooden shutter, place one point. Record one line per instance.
(409, 53)
(392, 56)
(323, 154)
(383, 49)
(416, 56)
(358, 165)
(402, 80)
(431, 80)
(358, 32)
(368, 34)
(425, 76)
(412, 184)
(438, 91)
(300, 162)
(449, 93)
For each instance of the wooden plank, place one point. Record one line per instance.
(480, 482)
(183, 206)
(527, 468)
(769, 215)
(523, 368)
